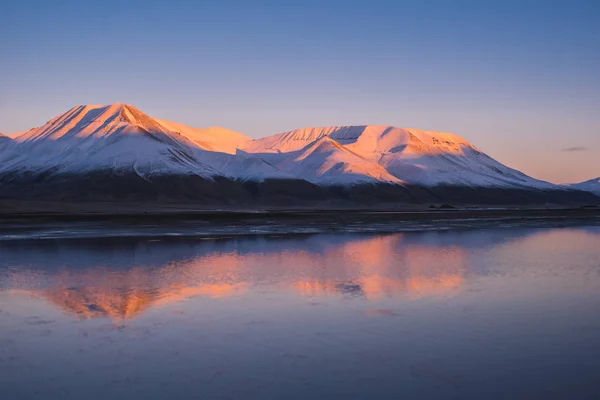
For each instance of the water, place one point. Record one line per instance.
(478, 314)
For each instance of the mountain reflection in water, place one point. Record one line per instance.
(105, 286)
(473, 314)
(123, 279)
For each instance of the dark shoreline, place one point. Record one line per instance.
(115, 211)
(235, 224)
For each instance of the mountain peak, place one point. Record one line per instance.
(97, 121)
(120, 111)
(323, 144)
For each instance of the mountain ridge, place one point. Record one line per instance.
(327, 162)
(414, 156)
(117, 150)
(213, 138)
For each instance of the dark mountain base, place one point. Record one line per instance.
(184, 189)
(516, 197)
(225, 193)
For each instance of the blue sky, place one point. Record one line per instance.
(519, 79)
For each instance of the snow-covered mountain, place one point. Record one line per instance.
(326, 162)
(409, 155)
(242, 166)
(117, 138)
(120, 150)
(214, 138)
(121, 138)
(593, 185)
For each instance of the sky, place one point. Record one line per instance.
(520, 79)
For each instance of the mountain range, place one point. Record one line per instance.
(116, 152)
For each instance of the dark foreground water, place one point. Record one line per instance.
(480, 314)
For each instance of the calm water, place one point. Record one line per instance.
(481, 314)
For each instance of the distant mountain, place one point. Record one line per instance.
(214, 138)
(327, 162)
(116, 152)
(593, 186)
(117, 138)
(413, 156)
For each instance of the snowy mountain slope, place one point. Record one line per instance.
(117, 137)
(120, 138)
(242, 166)
(413, 156)
(5, 143)
(300, 138)
(213, 138)
(326, 162)
(94, 122)
(593, 185)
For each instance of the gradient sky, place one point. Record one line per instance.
(519, 79)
